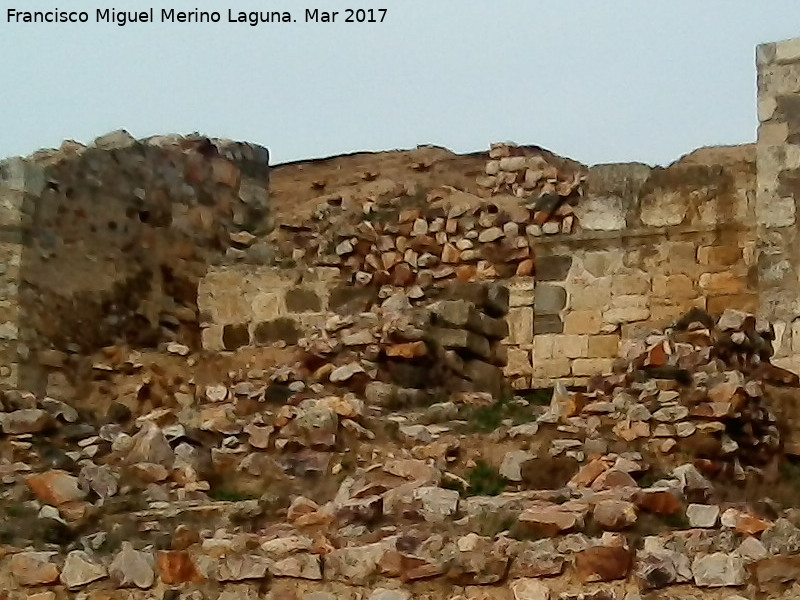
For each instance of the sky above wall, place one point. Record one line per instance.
(597, 81)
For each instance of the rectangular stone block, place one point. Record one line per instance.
(586, 367)
(521, 291)
(551, 369)
(582, 322)
(719, 256)
(604, 346)
(673, 286)
(550, 299)
(590, 295)
(11, 207)
(543, 347)
(630, 284)
(552, 268)
(725, 283)
(627, 309)
(570, 346)
(519, 363)
(520, 325)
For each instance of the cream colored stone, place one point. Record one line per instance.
(673, 286)
(788, 50)
(627, 309)
(551, 369)
(603, 346)
(582, 322)
(543, 347)
(766, 107)
(570, 346)
(519, 363)
(601, 214)
(211, 338)
(773, 134)
(594, 295)
(265, 306)
(664, 209)
(630, 284)
(586, 367)
(520, 325)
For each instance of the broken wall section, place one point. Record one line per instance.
(778, 156)
(107, 243)
(651, 243)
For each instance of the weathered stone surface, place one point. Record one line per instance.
(79, 570)
(34, 568)
(718, 570)
(603, 563)
(55, 487)
(131, 568)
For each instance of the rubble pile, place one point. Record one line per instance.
(450, 343)
(697, 390)
(528, 175)
(405, 237)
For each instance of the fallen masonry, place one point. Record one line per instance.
(340, 489)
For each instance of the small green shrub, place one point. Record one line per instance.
(485, 480)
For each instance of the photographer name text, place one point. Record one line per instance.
(123, 18)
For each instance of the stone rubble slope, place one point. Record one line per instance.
(289, 482)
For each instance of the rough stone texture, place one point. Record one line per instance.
(107, 243)
(778, 192)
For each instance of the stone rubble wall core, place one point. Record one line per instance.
(107, 243)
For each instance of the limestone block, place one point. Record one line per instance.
(600, 264)
(673, 286)
(722, 283)
(783, 79)
(519, 363)
(773, 133)
(551, 369)
(787, 51)
(627, 309)
(266, 306)
(521, 291)
(719, 256)
(570, 346)
(550, 299)
(664, 209)
(603, 346)
(520, 325)
(601, 214)
(543, 347)
(594, 295)
(746, 302)
(586, 367)
(211, 338)
(582, 322)
(766, 107)
(630, 283)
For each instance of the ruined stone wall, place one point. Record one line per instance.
(107, 243)
(652, 243)
(778, 159)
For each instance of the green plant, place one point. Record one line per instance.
(488, 418)
(485, 480)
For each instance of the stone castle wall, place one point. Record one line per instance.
(106, 244)
(652, 244)
(111, 243)
(779, 193)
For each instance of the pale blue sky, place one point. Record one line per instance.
(599, 81)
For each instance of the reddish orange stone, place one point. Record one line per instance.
(177, 567)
